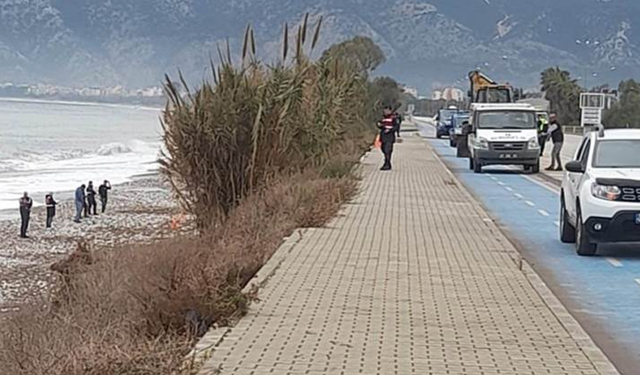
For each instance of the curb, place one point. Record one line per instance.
(599, 360)
(206, 346)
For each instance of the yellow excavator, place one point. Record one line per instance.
(486, 90)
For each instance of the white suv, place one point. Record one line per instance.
(601, 191)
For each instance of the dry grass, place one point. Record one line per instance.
(138, 310)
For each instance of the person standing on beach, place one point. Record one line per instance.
(51, 208)
(25, 214)
(80, 201)
(91, 199)
(103, 191)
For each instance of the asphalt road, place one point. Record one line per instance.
(602, 293)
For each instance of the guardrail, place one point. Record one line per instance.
(573, 129)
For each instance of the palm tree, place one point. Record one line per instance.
(562, 92)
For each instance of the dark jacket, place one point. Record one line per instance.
(557, 133)
(91, 193)
(103, 191)
(51, 205)
(26, 204)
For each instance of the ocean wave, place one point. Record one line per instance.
(24, 160)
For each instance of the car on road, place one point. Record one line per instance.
(600, 196)
(502, 134)
(443, 121)
(455, 132)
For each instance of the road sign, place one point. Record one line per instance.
(591, 117)
(592, 100)
(592, 104)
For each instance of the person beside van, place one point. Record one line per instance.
(543, 129)
(557, 136)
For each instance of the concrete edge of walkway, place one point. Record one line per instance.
(206, 346)
(597, 357)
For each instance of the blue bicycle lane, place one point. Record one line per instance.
(602, 292)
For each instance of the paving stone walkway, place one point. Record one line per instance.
(412, 278)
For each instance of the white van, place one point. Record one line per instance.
(503, 134)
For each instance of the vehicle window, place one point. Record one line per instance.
(578, 155)
(446, 115)
(507, 120)
(584, 159)
(617, 154)
(459, 120)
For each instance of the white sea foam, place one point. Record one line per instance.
(55, 147)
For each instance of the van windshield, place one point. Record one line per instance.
(507, 120)
(617, 154)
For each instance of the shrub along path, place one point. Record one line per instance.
(413, 278)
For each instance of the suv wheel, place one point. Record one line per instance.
(477, 166)
(584, 247)
(567, 232)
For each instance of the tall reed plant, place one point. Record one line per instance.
(255, 121)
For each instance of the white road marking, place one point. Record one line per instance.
(519, 196)
(614, 262)
(508, 188)
(638, 281)
(529, 203)
(542, 184)
(494, 179)
(501, 183)
(557, 223)
(544, 213)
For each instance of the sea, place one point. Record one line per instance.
(57, 146)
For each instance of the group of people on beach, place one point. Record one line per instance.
(84, 200)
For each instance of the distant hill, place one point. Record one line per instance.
(98, 42)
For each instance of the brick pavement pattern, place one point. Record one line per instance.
(412, 278)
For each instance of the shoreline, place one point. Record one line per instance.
(78, 103)
(8, 214)
(138, 212)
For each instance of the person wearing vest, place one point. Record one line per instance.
(557, 136)
(388, 129)
(543, 128)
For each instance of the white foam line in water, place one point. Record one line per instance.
(614, 262)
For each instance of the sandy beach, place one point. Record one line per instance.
(139, 212)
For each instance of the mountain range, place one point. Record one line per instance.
(427, 42)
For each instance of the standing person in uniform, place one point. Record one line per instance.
(557, 136)
(91, 199)
(543, 128)
(388, 130)
(25, 214)
(51, 204)
(80, 202)
(103, 191)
